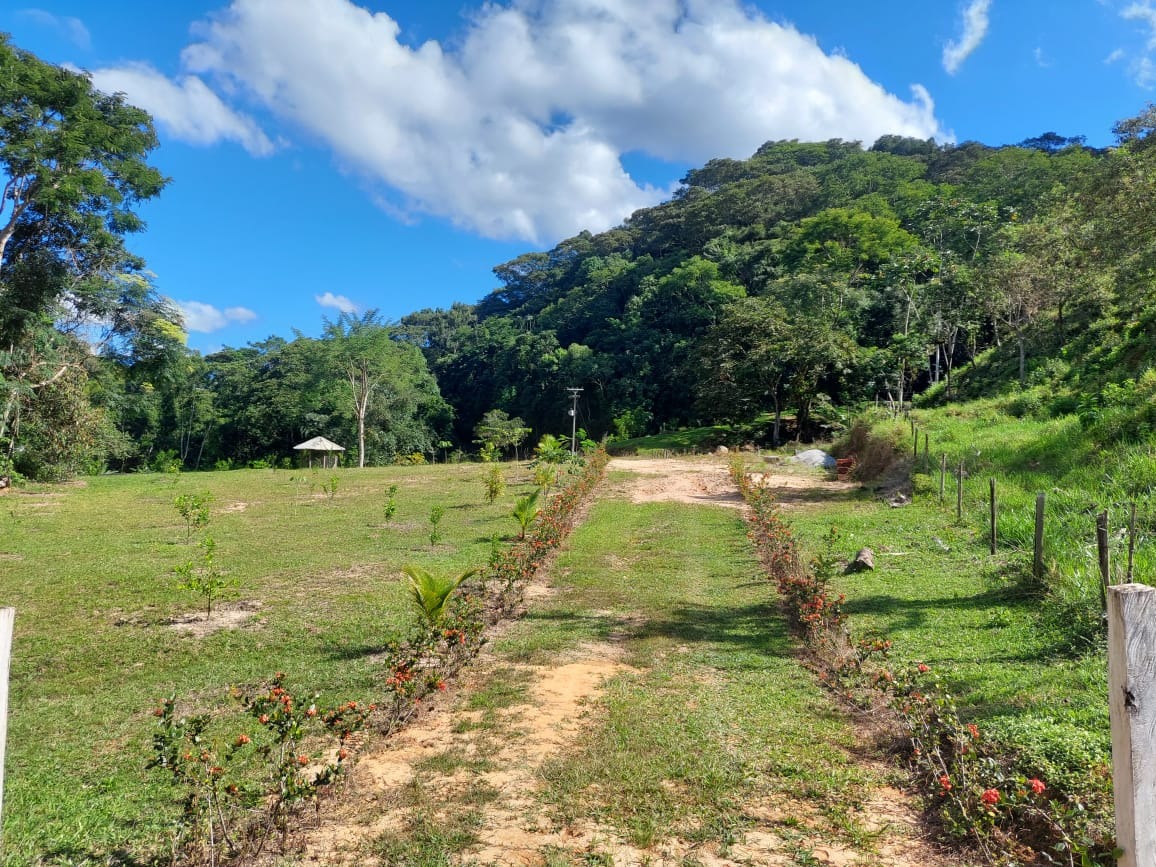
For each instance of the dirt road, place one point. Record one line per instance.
(471, 766)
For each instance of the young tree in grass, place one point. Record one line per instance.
(503, 432)
(431, 592)
(526, 510)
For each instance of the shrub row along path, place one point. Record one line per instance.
(649, 708)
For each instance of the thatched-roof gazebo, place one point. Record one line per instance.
(324, 447)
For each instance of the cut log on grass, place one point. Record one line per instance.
(864, 561)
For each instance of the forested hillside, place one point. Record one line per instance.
(807, 275)
(808, 278)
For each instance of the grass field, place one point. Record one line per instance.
(1057, 457)
(316, 576)
(89, 568)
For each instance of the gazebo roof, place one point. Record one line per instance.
(319, 444)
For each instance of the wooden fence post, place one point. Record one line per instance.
(1132, 701)
(1131, 542)
(942, 475)
(1038, 547)
(7, 620)
(915, 446)
(959, 494)
(926, 453)
(993, 517)
(1102, 551)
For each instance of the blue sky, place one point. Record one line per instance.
(331, 154)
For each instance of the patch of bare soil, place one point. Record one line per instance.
(226, 615)
(537, 729)
(706, 481)
(702, 481)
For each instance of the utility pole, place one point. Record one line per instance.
(574, 392)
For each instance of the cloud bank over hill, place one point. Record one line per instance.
(517, 128)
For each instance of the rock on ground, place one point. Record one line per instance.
(815, 458)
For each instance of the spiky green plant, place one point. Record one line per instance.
(525, 510)
(431, 592)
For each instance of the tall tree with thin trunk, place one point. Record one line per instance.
(72, 168)
(392, 396)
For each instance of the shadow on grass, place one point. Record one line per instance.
(756, 628)
(915, 613)
(818, 496)
(354, 652)
(77, 855)
(920, 614)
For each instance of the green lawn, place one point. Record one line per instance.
(89, 568)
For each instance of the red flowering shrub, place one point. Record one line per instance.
(236, 797)
(977, 799)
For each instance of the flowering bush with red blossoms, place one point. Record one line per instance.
(239, 792)
(975, 789)
(1010, 817)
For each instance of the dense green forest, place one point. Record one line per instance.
(807, 279)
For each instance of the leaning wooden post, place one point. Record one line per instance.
(1038, 547)
(1132, 702)
(7, 620)
(942, 475)
(926, 453)
(959, 494)
(915, 447)
(1102, 550)
(993, 517)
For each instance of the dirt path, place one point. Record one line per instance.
(472, 764)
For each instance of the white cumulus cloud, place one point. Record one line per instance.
(186, 108)
(517, 128)
(337, 302)
(72, 29)
(205, 318)
(1142, 68)
(1146, 15)
(975, 24)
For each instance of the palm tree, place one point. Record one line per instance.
(431, 592)
(525, 510)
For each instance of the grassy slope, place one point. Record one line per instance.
(88, 569)
(1025, 660)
